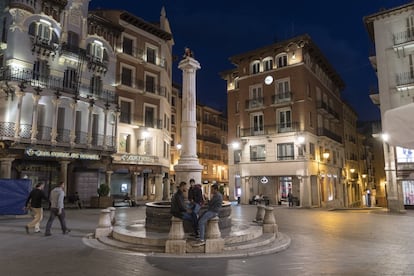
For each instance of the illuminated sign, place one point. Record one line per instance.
(137, 158)
(61, 154)
(264, 180)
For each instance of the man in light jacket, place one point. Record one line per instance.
(57, 195)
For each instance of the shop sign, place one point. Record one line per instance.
(137, 158)
(264, 180)
(61, 154)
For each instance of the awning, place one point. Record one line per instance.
(398, 123)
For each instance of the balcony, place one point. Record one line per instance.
(140, 55)
(43, 137)
(326, 132)
(212, 139)
(282, 98)
(147, 87)
(97, 64)
(211, 122)
(326, 110)
(208, 156)
(405, 78)
(38, 81)
(45, 47)
(139, 120)
(254, 103)
(403, 37)
(270, 129)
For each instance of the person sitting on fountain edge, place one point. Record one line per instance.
(195, 196)
(179, 210)
(214, 206)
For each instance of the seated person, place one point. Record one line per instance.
(128, 199)
(179, 210)
(77, 200)
(214, 206)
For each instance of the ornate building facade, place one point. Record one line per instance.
(58, 116)
(286, 125)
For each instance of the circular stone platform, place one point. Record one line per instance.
(242, 239)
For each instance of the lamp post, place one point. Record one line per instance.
(325, 156)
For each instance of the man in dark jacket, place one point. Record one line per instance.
(214, 206)
(34, 202)
(179, 210)
(195, 196)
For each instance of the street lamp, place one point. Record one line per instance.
(325, 156)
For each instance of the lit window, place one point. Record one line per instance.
(282, 61)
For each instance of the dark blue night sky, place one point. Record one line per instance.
(216, 30)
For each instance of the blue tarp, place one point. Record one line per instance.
(13, 195)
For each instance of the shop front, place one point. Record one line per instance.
(81, 172)
(140, 177)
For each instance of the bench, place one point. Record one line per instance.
(120, 201)
(264, 200)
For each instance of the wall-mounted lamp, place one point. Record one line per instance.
(235, 145)
(293, 55)
(352, 170)
(325, 155)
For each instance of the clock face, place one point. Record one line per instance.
(268, 80)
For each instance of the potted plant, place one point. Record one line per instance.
(102, 200)
(103, 190)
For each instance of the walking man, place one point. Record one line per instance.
(34, 202)
(57, 196)
(214, 206)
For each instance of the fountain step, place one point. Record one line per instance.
(263, 240)
(266, 244)
(109, 241)
(136, 233)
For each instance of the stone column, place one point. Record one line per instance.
(19, 95)
(394, 187)
(188, 165)
(5, 167)
(158, 187)
(269, 221)
(105, 146)
(260, 213)
(214, 242)
(165, 188)
(104, 228)
(36, 99)
(90, 118)
(176, 244)
(54, 133)
(64, 173)
(305, 192)
(73, 105)
(112, 214)
(134, 186)
(108, 179)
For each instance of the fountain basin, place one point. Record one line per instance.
(158, 216)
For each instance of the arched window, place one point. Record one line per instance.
(43, 33)
(281, 60)
(268, 64)
(255, 67)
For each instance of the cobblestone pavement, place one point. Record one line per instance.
(324, 242)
